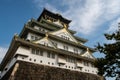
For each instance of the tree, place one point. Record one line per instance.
(109, 65)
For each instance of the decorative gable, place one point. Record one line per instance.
(65, 34)
(88, 54)
(58, 23)
(45, 41)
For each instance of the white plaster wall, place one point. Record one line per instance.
(70, 65)
(23, 50)
(65, 33)
(61, 60)
(70, 48)
(90, 70)
(79, 64)
(36, 27)
(49, 61)
(31, 34)
(40, 28)
(37, 59)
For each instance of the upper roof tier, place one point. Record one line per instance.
(55, 16)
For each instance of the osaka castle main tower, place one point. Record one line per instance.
(46, 49)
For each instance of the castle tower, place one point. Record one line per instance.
(47, 41)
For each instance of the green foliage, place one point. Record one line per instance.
(110, 65)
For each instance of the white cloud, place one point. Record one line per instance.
(92, 14)
(87, 15)
(84, 18)
(3, 51)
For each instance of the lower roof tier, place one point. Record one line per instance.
(16, 42)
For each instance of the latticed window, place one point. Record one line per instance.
(75, 50)
(53, 55)
(65, 47)
(32, 37)
(37, 52)
(85, 63)
(33, 51)
(41, 53)
(36, 38)
(50, 55)
(70, 59)
(65, 37)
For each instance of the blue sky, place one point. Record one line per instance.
(90, 18)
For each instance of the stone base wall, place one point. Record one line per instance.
(30, 71)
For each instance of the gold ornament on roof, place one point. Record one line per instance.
(65, 26)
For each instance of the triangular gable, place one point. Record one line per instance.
(45, 41)
(88, 54)
(58, 23)
(64, 33)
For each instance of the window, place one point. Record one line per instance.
(53, 55)
(36, 38)
(45, 44)
(80, 68)
(30, 59)
(48, 55)
(48, 62)
(37, 52)
(5, 69)
(43, 30)
(41, 53)
(41, 61)
(92, 65)
(54, 43)
(52, 63)
(65, 37)
(65, 47)
(34, 60)
(70, 59)
(40, 29)
(86, 63)
(33, 51)
(32, 37)
(75, 50)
